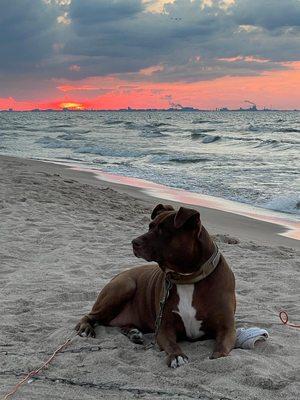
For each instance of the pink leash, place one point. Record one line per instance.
(283, 315)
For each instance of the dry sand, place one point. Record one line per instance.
(64, 234)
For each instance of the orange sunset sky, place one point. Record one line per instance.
(110, 54)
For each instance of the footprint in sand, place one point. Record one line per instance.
(225, 239)
(265, 382)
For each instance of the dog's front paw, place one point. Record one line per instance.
(175, 361)
(84, 328)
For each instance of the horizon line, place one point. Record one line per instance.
(129, 109)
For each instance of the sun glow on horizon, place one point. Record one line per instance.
(72, 106)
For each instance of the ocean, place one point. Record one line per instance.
(247, 157)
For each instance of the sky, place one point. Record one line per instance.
(111, 54)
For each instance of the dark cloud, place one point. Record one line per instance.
(87, 12)
(269, 14)
(185, 30)
(207, 70)
(27, 34)
(187, 40)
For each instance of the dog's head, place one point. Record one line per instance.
(172, 240)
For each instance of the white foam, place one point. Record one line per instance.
(289, 204)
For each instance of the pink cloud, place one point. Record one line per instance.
(70, 88)
(244, 58)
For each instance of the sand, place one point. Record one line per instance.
(64, 234)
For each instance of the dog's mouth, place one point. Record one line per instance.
(136, 253)
(139, 252)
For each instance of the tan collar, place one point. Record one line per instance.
(204, 270)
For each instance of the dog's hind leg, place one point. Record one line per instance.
(111, 300)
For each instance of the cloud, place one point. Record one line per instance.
(95, 11)
(27, 32)
(81, 88)
(156, 6)
(154, 40)
(269, 14)
(135, 40)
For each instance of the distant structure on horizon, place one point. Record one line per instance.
(252, 108)
(173, 108)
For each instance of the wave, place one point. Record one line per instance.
(102, 151)
(205, 138)
(253, 128)
(198, 133)
(277, 143)
(53, 143)
(289, 130)
(69, 136)
(177, 159)
(116, 122)
(152, 133)
(269, 142)
(90, 150)
(289, 204)
(7, 133)
(104, 162)
(201, 121)
(69, 158)
(188, 160)
(210, 139)
(60, 126)
(31, 129)
(206, 121)
(130, 125)
(156, 125)
(258, 141)
(67, 131)
(127, 124)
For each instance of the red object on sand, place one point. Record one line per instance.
(283, 315)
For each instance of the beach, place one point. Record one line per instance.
(64, 234)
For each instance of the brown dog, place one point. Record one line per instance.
(189, 295)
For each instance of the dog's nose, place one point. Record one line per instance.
(136, 243)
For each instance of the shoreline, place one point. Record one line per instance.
(146, 189)
(219, 214)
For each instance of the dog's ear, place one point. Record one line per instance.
(185, 215)
(160, 208)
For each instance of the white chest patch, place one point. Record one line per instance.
(187, 312)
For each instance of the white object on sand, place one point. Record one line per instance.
(247, 337)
